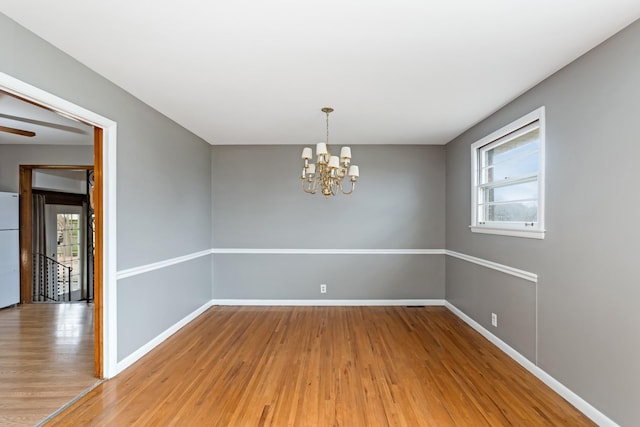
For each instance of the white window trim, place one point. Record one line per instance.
(515, 230)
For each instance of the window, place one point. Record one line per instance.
(508, 179)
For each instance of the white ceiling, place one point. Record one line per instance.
(258, 72)
(50, 127)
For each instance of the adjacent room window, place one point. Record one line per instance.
(508, 179)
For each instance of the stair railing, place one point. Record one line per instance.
(51, 279)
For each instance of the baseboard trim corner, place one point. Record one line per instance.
(329, 302)
(139, 353)
(582, 405)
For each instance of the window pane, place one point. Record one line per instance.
(68, 249)
(528, 142)
(513, 168)
(515, 212)
(514, 158)
(523, 191)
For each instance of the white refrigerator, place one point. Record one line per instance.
(9, 250)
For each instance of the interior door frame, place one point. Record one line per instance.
(26, 232)
(105, 142)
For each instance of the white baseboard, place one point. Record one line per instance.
(328, 302)
(311, 251)
(581, 404)
(136, 355)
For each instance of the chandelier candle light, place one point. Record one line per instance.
(329, 171)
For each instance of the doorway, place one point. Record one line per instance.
(105, 161)
(53, 267)
(63, 237)
(64, 246)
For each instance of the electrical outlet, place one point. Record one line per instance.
(323, 289)
(494, 320)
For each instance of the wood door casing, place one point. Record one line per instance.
(98, 257)
(26, 232)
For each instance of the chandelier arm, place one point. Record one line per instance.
(335, 185)
(309, 188)
(353, 187)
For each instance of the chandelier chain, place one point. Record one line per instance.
(327, 113)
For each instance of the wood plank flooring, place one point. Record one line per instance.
(46, 359)
(324, 366)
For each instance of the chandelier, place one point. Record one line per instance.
(328, 172)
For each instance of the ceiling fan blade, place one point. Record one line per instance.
(17, 131)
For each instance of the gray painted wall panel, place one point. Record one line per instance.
(479, 291)
(166, 191)
(258, 203)
(274, 276)
(588, 334)
(173, 292)
(12, 156)
(163, 180)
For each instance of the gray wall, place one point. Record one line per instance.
(588, 336)
(356, 277)
(177, 288)
(163, 185)
(258, 203)
(12, 156)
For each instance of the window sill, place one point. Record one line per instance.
(530, 234)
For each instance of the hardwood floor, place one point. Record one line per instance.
(324, 366)
(46, 359)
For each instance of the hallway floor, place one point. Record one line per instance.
(46, 359)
